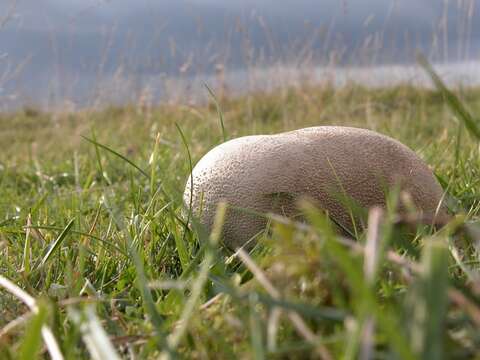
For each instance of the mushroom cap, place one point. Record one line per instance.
(268, 173)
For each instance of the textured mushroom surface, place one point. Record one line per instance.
(268, 173)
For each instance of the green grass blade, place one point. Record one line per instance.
(27, 250)
(256, 338)
(351, 266)
(90, 236)
(201, 279)
(141, 281)
(33, 335)
(153, 166)
(430, 302)
(181, 242)
(363, 296)
(128, 161)
(58, 241)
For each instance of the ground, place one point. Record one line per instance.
(91, 227)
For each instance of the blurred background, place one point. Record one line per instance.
(87, 53)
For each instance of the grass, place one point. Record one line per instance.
(92, 230)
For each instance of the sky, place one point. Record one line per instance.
(70, 46)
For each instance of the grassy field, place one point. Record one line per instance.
(91, 229)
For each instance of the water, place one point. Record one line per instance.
(191, 89)
(73, 93)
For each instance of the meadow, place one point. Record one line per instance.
(97, 261)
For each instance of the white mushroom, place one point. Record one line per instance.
(267, 173)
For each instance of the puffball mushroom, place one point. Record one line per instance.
(268, 173)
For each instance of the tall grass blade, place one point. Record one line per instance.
(256, 338)
(33, 335)
(430, 301)
(153, 166)
(181, 242)
(98, 157)
(93, 334)
(455, 104)
(219, 111)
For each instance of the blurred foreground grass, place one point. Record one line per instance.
(98, 239)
